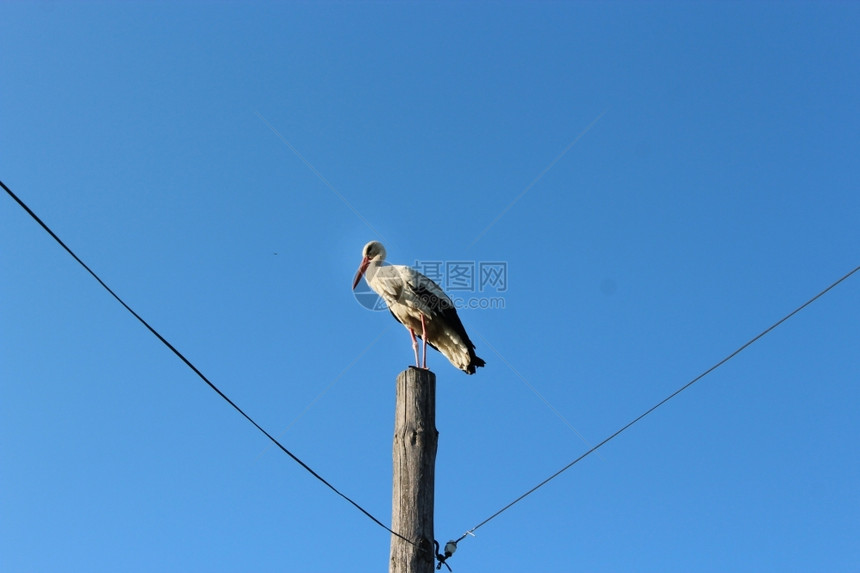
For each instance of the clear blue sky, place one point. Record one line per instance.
(711, 189)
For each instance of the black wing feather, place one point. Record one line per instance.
(444, 309)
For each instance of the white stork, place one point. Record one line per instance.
(421, 306)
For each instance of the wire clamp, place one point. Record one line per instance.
(450, 548)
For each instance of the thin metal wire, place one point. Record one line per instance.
(196, 371)
(535, 391)
(660, 403)
(540, 175)
(319, 175)
(327, 388)
(338, 492)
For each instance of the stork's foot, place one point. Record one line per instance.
(419, 368)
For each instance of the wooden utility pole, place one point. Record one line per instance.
(415, 439)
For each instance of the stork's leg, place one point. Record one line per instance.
(424, 340)
(415, 348)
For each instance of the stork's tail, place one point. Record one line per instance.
(474, 362)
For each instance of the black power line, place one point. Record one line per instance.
(194, 368)
(452, 545)
(660, 403)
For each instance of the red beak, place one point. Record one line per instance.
(361, 268)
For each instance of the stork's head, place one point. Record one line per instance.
(373, 252)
